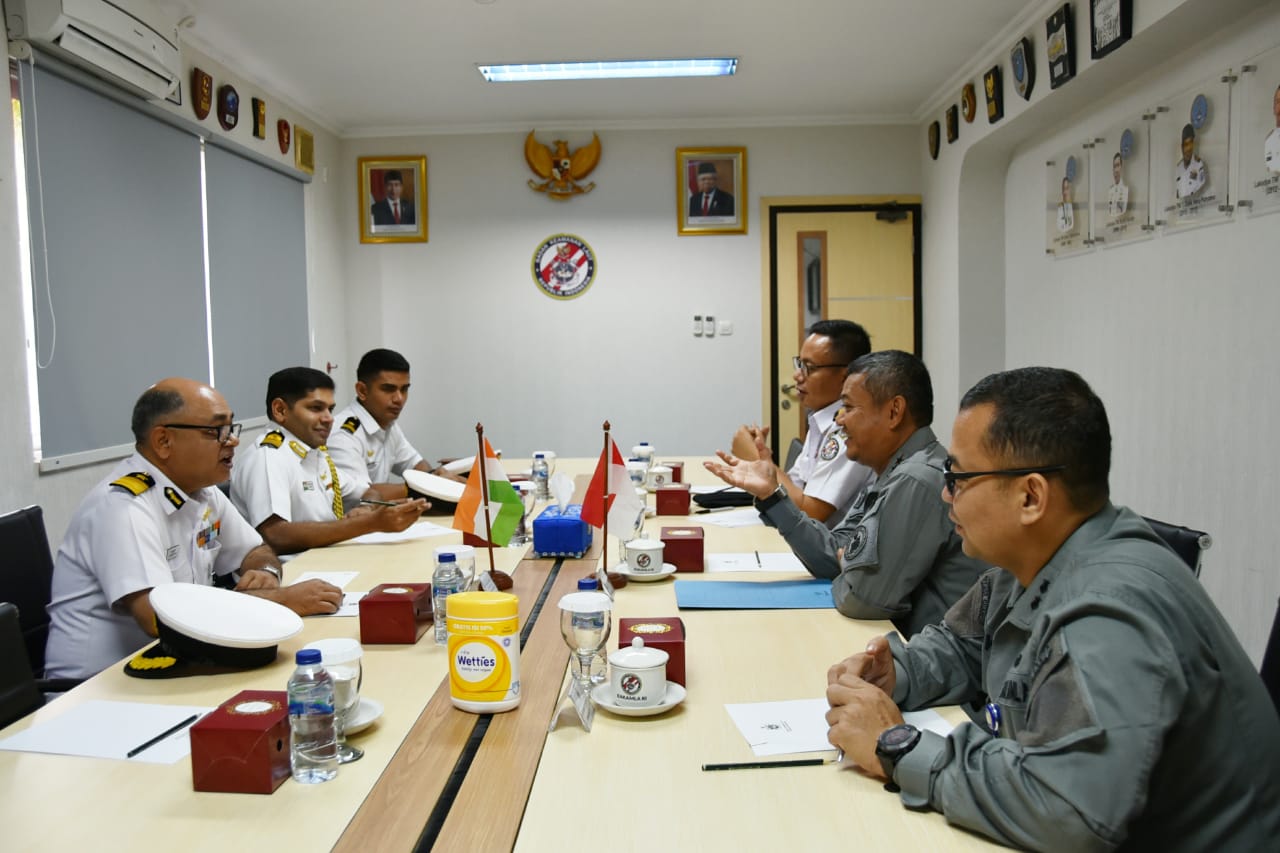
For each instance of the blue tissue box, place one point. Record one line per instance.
(557, 534)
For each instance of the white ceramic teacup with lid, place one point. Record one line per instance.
(638, 675)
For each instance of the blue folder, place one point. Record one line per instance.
(811, 594)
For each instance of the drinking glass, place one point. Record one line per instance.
(342, 657)
(637, 530)
(528, 499)
(585, 623)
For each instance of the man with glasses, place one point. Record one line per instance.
(1121, 710)
(287, 486)
(823, 481)
(157, 518)
(894, 555)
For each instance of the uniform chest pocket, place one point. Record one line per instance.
(198, 567)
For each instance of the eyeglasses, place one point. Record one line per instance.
(804, 368)
(950, 478)
(222, 432)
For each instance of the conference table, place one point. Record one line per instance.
(434, 777)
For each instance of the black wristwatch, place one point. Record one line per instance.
(771, 499)
(893, 744)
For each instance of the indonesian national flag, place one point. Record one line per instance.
(624, 505)
(505, 507)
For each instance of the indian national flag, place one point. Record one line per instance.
(505, 507)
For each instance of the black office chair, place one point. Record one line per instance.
(19, 692)
(26, 577)
(1271, 661)
(1186, 543)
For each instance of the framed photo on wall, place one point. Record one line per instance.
(1110, 25)
(711, 191)
(393, 199)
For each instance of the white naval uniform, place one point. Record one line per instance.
(1117, 200)
(119, 543)
(1189, 178)
(282, 476)
(365, 453)
(1271, 151)
(823, 470)
(1066, 218)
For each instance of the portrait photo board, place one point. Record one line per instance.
(1121, 208)
(1258, 91)
(1067, 201)
(1195, 192)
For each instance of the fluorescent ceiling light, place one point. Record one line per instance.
(611, 70)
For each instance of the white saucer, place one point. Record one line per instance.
(366, 712)
(667, 570)
(602, 695)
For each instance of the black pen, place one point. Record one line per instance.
(378, 503)
(164, 734)
(757, 765)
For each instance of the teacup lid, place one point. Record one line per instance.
(646, 544)
(337, 650)
(638, 656)
(460, 551)
(586, 602)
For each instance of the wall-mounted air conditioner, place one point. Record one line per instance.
(129, 41)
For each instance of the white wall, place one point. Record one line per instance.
(486, 345)
(1176, 333)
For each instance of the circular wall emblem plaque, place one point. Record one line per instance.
(564, 266)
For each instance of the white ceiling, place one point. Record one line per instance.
(382, 67)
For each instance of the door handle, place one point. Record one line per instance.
(787, 389)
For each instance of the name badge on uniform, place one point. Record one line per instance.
(308, 486)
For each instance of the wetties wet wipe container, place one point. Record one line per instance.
(484, 651)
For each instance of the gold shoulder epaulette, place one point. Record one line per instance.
(275, 438)
(136, 483)
(351, 424)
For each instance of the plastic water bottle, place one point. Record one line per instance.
(313, 737)
(599, 665)
(445, 581)
(541, 473)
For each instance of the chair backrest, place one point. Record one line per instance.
(793, 453)
(19, 694)
(26, 575)
(1271, 661)
(1186, 543)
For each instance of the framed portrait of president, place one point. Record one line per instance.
(393, 199)
(711, 191)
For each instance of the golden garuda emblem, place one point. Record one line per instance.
(562, 169)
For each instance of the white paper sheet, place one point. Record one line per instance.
(753, 562)
(338, 579)
(351, 603)
(419, 530)
(101, 729)
(701, 489)
(800, 725)
(744, 517)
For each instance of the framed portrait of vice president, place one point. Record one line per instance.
(711, 191)
(393, 199)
